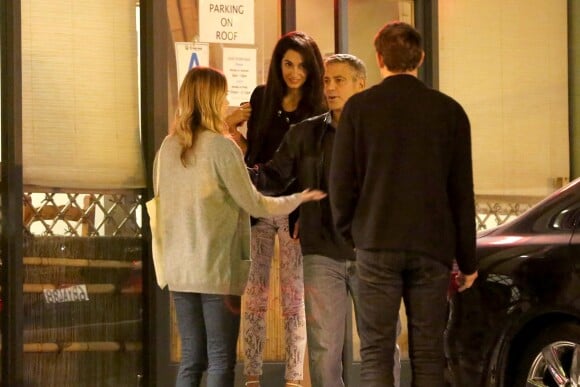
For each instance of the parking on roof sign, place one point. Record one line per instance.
(226, 21)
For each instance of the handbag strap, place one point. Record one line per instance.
(156, 182)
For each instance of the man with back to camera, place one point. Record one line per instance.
(329, 269)
(401, 191)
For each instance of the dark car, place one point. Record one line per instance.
(519, 325)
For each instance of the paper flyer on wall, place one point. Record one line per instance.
(239, 66)
(189, 55)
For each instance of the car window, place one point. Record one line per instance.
(551, 216)
(567, 219)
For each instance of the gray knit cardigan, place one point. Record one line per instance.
(205, 215)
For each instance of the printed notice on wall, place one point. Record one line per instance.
(226, 21)
(239, 65)
(189, 55)
(71, 293)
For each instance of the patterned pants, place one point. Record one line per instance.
(292, 293)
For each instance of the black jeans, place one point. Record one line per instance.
(384, 278)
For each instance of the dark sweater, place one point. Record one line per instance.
(265, 134)
(401, 174)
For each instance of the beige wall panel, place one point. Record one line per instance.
(316, 18)
(365, 17)
(267, 31)
(80, 95)
(506, 63)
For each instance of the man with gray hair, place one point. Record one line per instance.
(329, 267)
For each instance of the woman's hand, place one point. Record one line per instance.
(235, 119)
(309, 195)
(239, 115)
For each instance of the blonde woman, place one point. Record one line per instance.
(206, 202)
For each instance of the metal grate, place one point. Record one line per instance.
(515, 294)
(492, 211)
(112, 214)
(83, 214)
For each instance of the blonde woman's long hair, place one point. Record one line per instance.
(200, 104)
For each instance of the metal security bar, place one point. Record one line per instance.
(83, 214)
(119, 214)
(495, 210)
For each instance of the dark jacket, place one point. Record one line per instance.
(264, 136)
(303, 158)
(265, 133)
(401, 175)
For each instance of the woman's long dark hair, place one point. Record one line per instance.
(312, 100)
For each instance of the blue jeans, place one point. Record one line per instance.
(386, 277)
(327, 285)
(208, 327)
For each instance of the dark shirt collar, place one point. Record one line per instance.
(328, 120)
(400, 78)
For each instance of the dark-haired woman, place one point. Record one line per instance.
(292, 93)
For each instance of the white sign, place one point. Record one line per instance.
(189, 55)
(68, 294)
(239, 66)
(226, 21)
